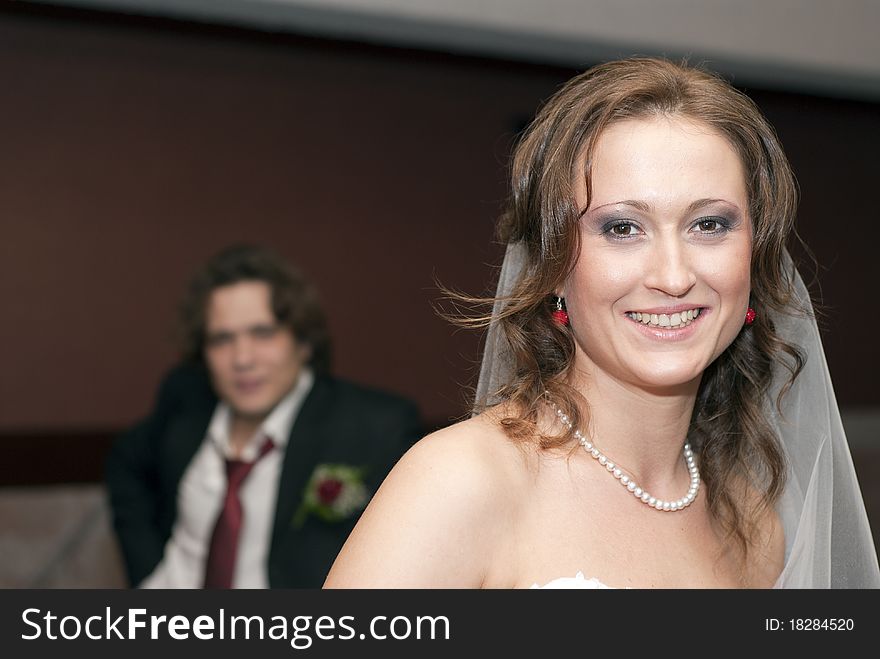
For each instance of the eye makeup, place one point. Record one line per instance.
(624, 224)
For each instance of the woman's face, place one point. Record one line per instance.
(667, 236)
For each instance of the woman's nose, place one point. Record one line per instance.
(671, 271)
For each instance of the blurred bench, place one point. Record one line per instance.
(58, 536)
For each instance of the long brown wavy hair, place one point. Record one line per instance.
(728, 429)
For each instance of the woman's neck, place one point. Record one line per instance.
(643, 431)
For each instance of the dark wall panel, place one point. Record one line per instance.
(132, 151)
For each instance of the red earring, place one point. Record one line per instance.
(750, 316)
(560, 315)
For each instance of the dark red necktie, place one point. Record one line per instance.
(220, 566)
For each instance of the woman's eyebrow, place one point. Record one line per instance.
(648, 208)
(702, 203)
(638, 205)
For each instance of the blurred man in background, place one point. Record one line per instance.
(255, 463)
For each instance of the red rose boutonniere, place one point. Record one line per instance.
(334, 493)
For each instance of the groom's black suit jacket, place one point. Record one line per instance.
(338, 423)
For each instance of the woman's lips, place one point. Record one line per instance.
(668, 333)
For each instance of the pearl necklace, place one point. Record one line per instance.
(629, 483)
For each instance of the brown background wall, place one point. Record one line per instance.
(132, 150)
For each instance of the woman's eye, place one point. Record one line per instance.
(711, 225)
(708, 225)
(621, 229)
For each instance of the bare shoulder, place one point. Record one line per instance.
(458, 471)
(468, 448)
(435, 520)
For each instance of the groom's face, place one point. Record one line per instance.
(254, 361)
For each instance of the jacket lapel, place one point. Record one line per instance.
(302, 455)
(183, 440)
(187, 430)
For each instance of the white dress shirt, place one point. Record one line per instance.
(202, 490)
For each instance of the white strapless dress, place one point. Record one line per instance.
(577, 581)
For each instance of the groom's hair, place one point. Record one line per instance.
(295, 301)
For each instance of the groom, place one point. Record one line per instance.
(255, 463)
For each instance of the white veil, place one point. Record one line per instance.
(828, 542)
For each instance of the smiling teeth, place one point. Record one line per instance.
(673, 321)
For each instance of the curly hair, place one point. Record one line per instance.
(729, 428)
(294, 300)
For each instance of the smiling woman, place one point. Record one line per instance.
(650, 332)
(667, 231)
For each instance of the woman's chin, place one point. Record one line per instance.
(669, 380)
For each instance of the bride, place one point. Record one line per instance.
(654, 409)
